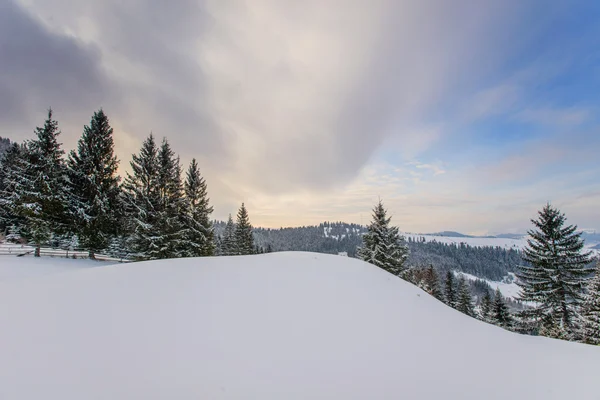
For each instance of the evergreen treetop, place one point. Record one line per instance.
(93, 184)
(243, 232)
(556, 278)
(383, 245)
(199, 232)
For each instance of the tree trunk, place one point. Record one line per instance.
(92, 255)
(37, 250)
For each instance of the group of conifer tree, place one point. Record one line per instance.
(559, 288)
(80, 201)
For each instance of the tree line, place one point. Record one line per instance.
(559, 285)
(78, 200)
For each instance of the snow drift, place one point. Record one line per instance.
(276, 326)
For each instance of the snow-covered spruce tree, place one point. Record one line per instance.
(243, 232)
(431, 282)
(485, 308)
(143, 201)
(383, 245)
(500, 314)
(37, 186)
(11, 167)
(556, 276)
(464, 302)
(229, 244)
(450, 289)
(199, 232)
(93, 186)
(170, 232)
(590, 313)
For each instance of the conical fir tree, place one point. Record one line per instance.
(170, 232)
(450, 289)
(243, 233)
(485, 309)
(431, 280)
(199, 233)
(464, 302)
(557, 273)
(143, 201)
(93, 183)
(383, 245)
(500, 314)
(11, 167)
(229, 244)
(38, 182)
(590, 315)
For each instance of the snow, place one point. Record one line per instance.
(13, 268)
(506, 243)
(274, 326)
(508, 289)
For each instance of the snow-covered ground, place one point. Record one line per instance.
(508, 289)
(505, 243)
(274, 326)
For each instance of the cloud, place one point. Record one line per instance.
(287, 106)
(39, 69)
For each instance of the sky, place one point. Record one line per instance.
(460, 115)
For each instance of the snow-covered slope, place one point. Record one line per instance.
(276, 326)
(504, 242)
(508, 289)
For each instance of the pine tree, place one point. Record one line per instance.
(590, 315)
(450, 290)
(485, 309)
(94, 186)
(383, 245)
(199, 232)
(243, 233)
(36, 185)
(556, 277)
(464, 302)
(500, 314)
(143, 201)
(229, 244)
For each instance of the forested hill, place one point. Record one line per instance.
(4, 144)
(491, 263)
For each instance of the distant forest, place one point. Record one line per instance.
(493, 263)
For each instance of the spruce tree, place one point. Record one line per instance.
(590, 313)
(199, 232)
(464, 302)
(431, 281)
(36, 186)
(485, 309)
(450, 290)
(555, 279)
(11, 168)
(93, 183)
(243, 233)
(383, 245)
(229, 244)
(170, 232)
(500, 314)
(143, 201)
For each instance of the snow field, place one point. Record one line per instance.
(274, 326)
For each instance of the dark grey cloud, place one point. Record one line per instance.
(39, 69)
